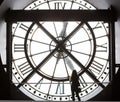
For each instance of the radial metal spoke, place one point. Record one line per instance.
(34, 40)
(66, 38)
(88, 54)
(73, 32)
(56, 64)
(47, 32)
(55, 29)
(26, 79)
(65, 66)
(49, 89)
(83, 68)
(41, 42)
(79, 42)
(40, 65)
(31, 55)
(47, 58)
(81, 53)
(39, 53)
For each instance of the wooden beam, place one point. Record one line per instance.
(60, 15)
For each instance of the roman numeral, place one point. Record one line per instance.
(106, 24)
(25, 68)
(59, 5)
(97, 26)
(101, 48)
(38, 85)
(60, 88)
(83, 83)
(71, 4)
(19, 47)
(24, 27)
(96, 67)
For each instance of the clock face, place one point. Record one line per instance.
(45, 53)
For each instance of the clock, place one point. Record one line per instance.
(44, 54)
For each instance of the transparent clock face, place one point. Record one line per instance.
(45, 53)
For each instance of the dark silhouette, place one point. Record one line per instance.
(74, 85)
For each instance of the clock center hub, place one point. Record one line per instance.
(60, 52)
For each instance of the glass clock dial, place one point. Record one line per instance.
(45, 53)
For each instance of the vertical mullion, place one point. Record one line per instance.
(112, 50)
(9, 50)
(9, 54)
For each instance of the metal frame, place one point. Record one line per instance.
(62, 15)
(112, 50)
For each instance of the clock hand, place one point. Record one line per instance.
(47, 32)
(69, 63)
(36, 69)
(66, 38)
(73, 32)
(83, 68)
(63, 32)
(58, 57)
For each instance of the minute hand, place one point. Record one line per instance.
(73, 32)
(63, 32)
(63, 35)
(54, 39)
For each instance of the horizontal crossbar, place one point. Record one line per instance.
(60, 15)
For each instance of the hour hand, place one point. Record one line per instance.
(63, 34)
(69, 63)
